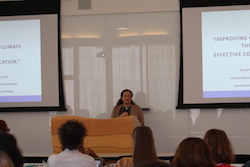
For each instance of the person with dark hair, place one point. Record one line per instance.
(220, 147)
(144, 149)
(192, 152)
(8, 145)
(71, 136)
(4, 126)
(246, 164)
(125, 107)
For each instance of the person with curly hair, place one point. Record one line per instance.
(192, 152)
(220, 147)
(71, 136)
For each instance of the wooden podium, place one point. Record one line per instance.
(104, 135)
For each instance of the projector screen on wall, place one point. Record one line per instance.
(30, 78)
(215, 60)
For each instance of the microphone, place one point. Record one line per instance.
(126, 108)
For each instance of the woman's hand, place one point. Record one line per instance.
(124, 114)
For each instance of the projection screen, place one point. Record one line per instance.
(215, 55)
(31, 78)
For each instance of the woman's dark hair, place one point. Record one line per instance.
(144, 148)
(3, 126)
(10, 139)
(192, 152)
(71, 134)
(219, 146)
(120, 100)
(8, 145)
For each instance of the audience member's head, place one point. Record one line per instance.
(246, 164)
(156, 163)
(5, 160)
(8, 145)
(11, 139)
(4, 126)
(192, 152)
(144, 148)
(71, 134)
(219, 146)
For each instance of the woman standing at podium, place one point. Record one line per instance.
(125, 107)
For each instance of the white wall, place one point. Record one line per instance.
(70, 7)
(144, 58)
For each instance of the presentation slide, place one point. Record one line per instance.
(20, 61)
(30, 56)
(215, 56)
(225, 53)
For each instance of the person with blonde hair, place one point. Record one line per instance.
(144, 149)
(220, 147)
(5, 160)
(192, 152)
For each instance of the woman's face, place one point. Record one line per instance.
(126, 97)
